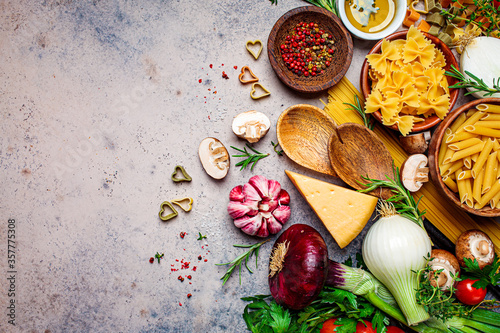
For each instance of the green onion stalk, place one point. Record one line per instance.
(364, 284)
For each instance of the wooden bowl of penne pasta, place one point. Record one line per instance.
(464, 157)
(404, 83)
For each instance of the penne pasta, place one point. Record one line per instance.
(442, 148)
(460, 136)
(488, 123)
(450, 183)
(476, 187)
(485, 199)
(459, 145)
(479, 130)
(488, 108)
(458, 155)
(465, 174)
(472, 120)
(483, 155)
(489, 172)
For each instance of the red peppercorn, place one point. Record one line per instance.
(151, 260)
(182, 234)
(189, 277)
(180, 278)
(189, 295)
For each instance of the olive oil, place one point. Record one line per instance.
(370, 16)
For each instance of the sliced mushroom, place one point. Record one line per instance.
(214, 158)
(475, 244)
(414, 172)
(447, 265)
(415, 143)
(251, 125)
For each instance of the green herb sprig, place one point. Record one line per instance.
(474, 83)
(402, 199)
(200, 236)
(488, 275)
(358, 108)
(438, 303)
(326, 4)
(262, 315)
(249, 158)
(276, 150)
(242, 258)
(159, 256)
(482, 9)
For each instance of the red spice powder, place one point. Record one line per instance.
(211, 66)
(200, 80)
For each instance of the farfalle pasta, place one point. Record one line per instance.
(408, 81)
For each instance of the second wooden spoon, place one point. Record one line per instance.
(356, 151)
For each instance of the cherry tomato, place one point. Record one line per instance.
(364, 328)
(329, 326)
(496, 3)
(394, 329)
(467, 294)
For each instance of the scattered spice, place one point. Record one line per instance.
(189, 277)
(200, 257)
(308, 50)
(235, 67)
(211, 66)
(224, 75)
(151, 260)
(189, 295)
(200, 80)
(182, 234)
(200, 236)
(180, 278)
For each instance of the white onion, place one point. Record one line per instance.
(481, 58)
(394, 249)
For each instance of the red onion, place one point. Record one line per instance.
(298, 266)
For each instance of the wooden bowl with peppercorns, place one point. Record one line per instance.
(309, 49)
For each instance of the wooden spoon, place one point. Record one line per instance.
(356, 151)
(303, 133)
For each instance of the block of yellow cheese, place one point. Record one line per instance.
(344, 212)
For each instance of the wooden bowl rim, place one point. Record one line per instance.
(366, 88)
(434, 147)
(275, 64)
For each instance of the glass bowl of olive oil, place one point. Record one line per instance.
(372, 19)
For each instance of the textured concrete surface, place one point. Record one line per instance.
(99, 101)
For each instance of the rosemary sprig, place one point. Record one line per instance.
(366, 118)
(276, 150)
(200, 236)
(402, 199)
(474, 82)
(242, 258)
(250, 158)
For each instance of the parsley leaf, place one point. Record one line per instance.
(488, 275)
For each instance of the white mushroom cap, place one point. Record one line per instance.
(448, 263)
(251, 125)
(475, 244)
(414, 172)
(214, 158)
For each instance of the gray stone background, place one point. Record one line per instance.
(99, 101)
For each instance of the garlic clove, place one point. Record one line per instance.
(273, 225)
(237, 209)
(282, 213)
(237, 194)
(264, 229)
(284, 198)
(274, 188)
(261, 185)
(249, 224)
(251, 193)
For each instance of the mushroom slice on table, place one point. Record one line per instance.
(214, 157)
(251, 125)
(475, 244)
(414, 172)
(447, 265)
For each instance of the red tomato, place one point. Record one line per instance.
(394, 329)
(496, 3)
(329, 326)
(364, 328)
(467, 294)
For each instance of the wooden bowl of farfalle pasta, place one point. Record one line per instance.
(464, 157)
(404, 83)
